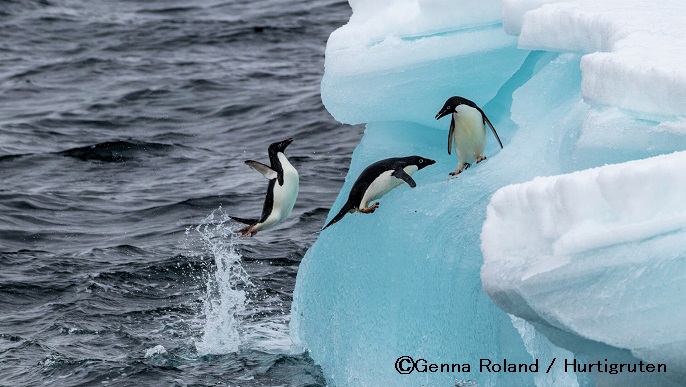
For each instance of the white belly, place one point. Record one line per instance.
(382, 185)
(284, 195)
(470, 136)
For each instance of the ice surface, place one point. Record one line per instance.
(371, 289)
(406, 279)
(373, 21)
(609, 135)
(514, 11)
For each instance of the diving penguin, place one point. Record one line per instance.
(467, 131)
(282, 191)
(377, 180)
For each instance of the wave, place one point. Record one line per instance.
(168, 11)
(13, 157)
(117, 151)
(144, 94)
(65, 66)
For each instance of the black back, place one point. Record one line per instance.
(268, 201)
(370, 174)
(374, 170)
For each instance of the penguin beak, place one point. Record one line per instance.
(287, 142)
(425, 163)
(444, 112)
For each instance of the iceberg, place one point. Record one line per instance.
(437, 273)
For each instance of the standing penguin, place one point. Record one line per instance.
(282, 191)
(377, 180)
(467, 131)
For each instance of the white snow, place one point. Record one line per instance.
(599, 253)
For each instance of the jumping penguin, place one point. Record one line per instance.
(282, 191)
(377, 180)
(467, 131)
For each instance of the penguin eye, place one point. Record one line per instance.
(421, 161)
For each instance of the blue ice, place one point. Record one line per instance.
(407, 280)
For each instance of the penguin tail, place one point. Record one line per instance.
(244, 221)
(346, 207)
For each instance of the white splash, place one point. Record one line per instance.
(225, 299)
(156, 350)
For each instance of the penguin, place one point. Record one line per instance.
(467, 131)
(377, 180)
(282, 191)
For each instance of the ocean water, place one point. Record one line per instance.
(124, 125)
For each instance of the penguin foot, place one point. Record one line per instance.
(370, 209)
(480, 159)
(459, 169)
(247, 231)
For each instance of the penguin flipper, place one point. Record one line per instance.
(451, 133)
(487, 121)
(244, 221)
(265, 170)
(346, 207)
(402, 175)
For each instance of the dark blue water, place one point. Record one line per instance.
(123, 129)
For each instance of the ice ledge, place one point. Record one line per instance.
(598, 254)
(408, 79)
(635, 51)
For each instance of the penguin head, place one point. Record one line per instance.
(420, 162)
(279, 146)
(453, 104)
